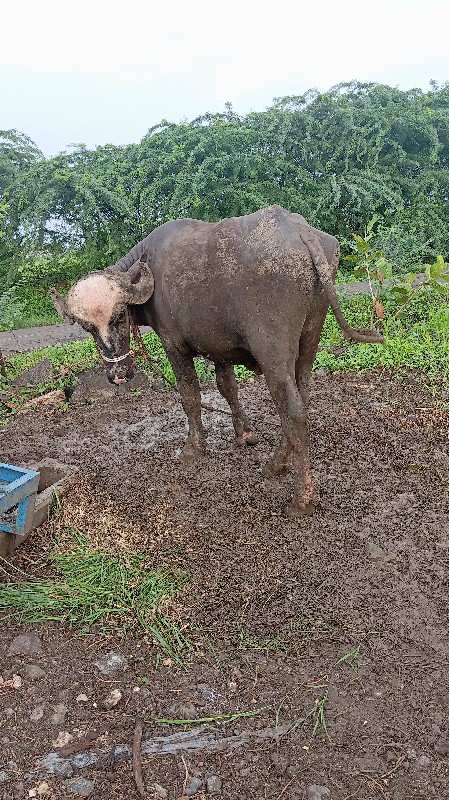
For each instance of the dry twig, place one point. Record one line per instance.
(137, 762)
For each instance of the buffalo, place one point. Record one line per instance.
(251, 290)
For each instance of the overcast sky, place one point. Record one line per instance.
(105, 72)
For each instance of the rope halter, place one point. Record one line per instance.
(115, 360)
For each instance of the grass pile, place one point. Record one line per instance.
(90, 587)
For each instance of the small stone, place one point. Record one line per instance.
(9, 712)
(374, 552)
(16, 681)
(4, 776)
(214, 784)
(43, 789)
(40, 373)
(59, 715)
(33, 673)
(25, 644)
(82, 698)
(119, 753)
(37, 714)
(208, 692)
(144, 692)
(82, 760)
(111, 663)
(112, 699)
(63, 738)
(159, 791)
(193, 786)
(56, 765)
(317, 792)
(424, 761)
(82, 786)
(442, 746)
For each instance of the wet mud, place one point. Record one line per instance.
(273, 606)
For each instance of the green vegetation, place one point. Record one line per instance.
(93, 587)
(418, 340)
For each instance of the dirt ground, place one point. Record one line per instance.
(271, 607)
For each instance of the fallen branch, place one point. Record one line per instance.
(210, 741)
(137, 762)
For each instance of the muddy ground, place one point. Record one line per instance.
(272, 604)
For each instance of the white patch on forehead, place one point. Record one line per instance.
(94, 300)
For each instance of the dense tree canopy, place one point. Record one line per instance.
(338, 158)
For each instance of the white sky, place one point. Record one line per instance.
(105, 72)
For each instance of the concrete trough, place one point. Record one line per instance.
(54, 481)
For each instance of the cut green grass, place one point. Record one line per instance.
(206, 720)
(116, 592)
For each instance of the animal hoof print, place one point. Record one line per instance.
(295, 510)
(191, 453)
(272, 470)
(248, 437)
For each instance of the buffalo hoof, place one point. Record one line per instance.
(247, 437)
(191, 452)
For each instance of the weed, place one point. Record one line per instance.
(247, 642)
(316, 717)
(351, 657)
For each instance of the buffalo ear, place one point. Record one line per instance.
(140, 286)
(60, 305)
(136, 270)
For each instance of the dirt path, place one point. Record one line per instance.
(24, 339)
(272, 606)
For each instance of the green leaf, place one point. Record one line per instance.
(372, 222)
(435, 270)
(361, 244)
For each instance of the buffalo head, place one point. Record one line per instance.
(99, 303)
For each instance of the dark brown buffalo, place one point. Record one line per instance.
(250, 290)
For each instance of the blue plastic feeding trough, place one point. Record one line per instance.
(18, 489)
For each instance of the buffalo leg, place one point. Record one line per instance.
(281, 461)
(189, 389)
(227, 386)
(293, 414)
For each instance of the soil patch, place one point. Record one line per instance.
(343, 613)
